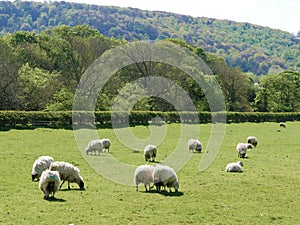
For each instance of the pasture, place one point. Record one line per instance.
(267, 192)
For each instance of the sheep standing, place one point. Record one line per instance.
(252, 140)
(49, 183)
(94, 146)
(150, 152)
(68, 172)
(106, 144)
(165, 176)
(39, 165)
(143, 174)
(241, 149)
(194, 144)
(234, 167)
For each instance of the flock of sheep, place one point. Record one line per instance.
(52, 175)
(241, 149)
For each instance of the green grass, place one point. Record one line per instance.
(267, 192)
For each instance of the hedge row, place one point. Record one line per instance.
(14, 119)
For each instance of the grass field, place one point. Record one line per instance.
(267, 192)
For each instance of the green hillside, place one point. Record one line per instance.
(256, 49)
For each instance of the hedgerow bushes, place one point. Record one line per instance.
(63, 119)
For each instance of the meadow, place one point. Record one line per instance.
(267, 192)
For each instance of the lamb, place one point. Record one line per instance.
(39, 165)
(234, 167)
(241, 149)
(94, 146)
(194, 144)
(252, 140)
(49, 183)
(281, 124)
(143, 174)
(165, 176)
(106, 144)
(68, 172)
(150, 152)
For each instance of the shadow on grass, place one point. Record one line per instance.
(72, 189)
(53, 199)
(165, 193)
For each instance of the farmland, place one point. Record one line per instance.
(267, 192)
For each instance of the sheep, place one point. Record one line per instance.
(68, 172)
(252, 140)
(241, 149)
(39, 165)
(282, 124)
(106, 144)
(194, 144)
(94, 146)
(150, 152)
(49, 183)
(235, 167)
(143, 174)
(165, 176)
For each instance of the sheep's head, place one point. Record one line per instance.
(250, 146)
(199, 148)
(81, 185)
(240, 163)
(33, 176)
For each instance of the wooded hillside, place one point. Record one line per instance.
(256, 49)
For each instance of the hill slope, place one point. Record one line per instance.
(253, 48)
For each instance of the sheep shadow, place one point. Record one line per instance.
(165, 193)
(53, 199)
(72, 189)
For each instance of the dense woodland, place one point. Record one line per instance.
(255, 49)
(41, 71)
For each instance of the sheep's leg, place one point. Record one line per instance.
(46, 196)
(62, 184)
(136, 188)
(146, 187)
(69, 185)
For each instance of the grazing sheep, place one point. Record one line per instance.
(39, 165)
(150, 152)
(68, 172)
(234, 167)
(106, 144)
(94, 146)
(281, 124)
(165, 176)
(252, 140)
(241, 149)
(194, 144)
(49, 183)
(143, 174)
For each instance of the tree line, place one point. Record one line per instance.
(255, 49)
(41, 71)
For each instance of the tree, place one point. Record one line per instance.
(279, 93)
(35, 88)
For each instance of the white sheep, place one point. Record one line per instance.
(94, 146)
(143, 174)
(165, 176)
(49, 182)
(39, 165)
(282, 124)
(106, 144)
(68, 172)
(252, 140)
(194, 144)
(241, 149)
(150, 152)
(234, 167)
